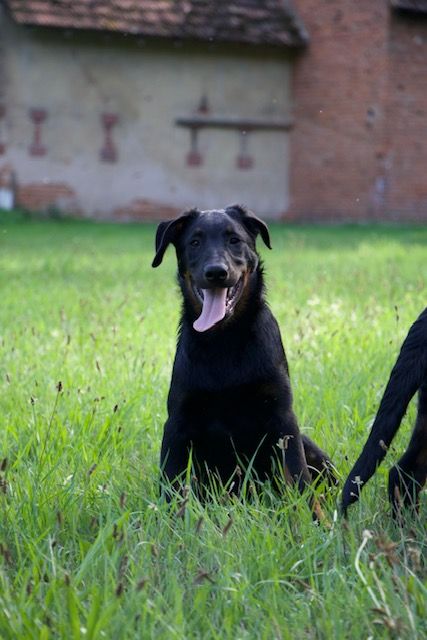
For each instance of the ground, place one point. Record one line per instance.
(87, 549)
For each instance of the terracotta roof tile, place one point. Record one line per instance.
(270, 22)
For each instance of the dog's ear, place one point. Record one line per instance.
(168, 233)
(253, 224)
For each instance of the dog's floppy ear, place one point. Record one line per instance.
(253, 224)
(168, 232)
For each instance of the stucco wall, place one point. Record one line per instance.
(76, 78)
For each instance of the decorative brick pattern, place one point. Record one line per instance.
(2, 120)
(194, 157)
(244, 160)
(42, 196)
(38, 116)
(142, 209)
(108, 152)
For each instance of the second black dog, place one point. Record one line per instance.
(230, 400)
(408, 476)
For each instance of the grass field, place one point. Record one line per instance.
(87, 550)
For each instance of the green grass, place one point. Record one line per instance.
(87, 548)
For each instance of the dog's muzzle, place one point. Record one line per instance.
(217, 304)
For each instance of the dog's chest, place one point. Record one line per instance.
(240, 414)
(232, 430)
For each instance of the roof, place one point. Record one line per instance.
(419, 6)
(269, 22)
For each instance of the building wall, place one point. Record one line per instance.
(2, 93)
(358, 150)
(357, 95)
(407, 118)
(339, 86)
(76, 78)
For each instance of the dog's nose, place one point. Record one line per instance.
(216, 273)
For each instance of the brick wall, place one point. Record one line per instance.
(147, 210)
(2, 92)
(407, 118)
(57, 197)
(2, 70)
(339, 84)
(44, 196)
(358, 150)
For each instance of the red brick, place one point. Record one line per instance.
(358, 149)
(142, 209)
(41, 196)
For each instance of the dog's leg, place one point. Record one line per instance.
(406, 377)
(174, 458)
(319, 463)
(408, 476)
(296, 469)
(294, 462)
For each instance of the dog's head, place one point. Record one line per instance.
(216, 256)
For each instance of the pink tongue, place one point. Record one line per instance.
(213, 309)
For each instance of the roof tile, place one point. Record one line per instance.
(270, 22)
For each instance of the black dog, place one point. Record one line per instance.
(408, 476)
(230, 401)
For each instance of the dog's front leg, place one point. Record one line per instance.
(294, 461)
(174, 458)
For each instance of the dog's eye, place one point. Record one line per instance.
(195, 242)
(234, 240)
